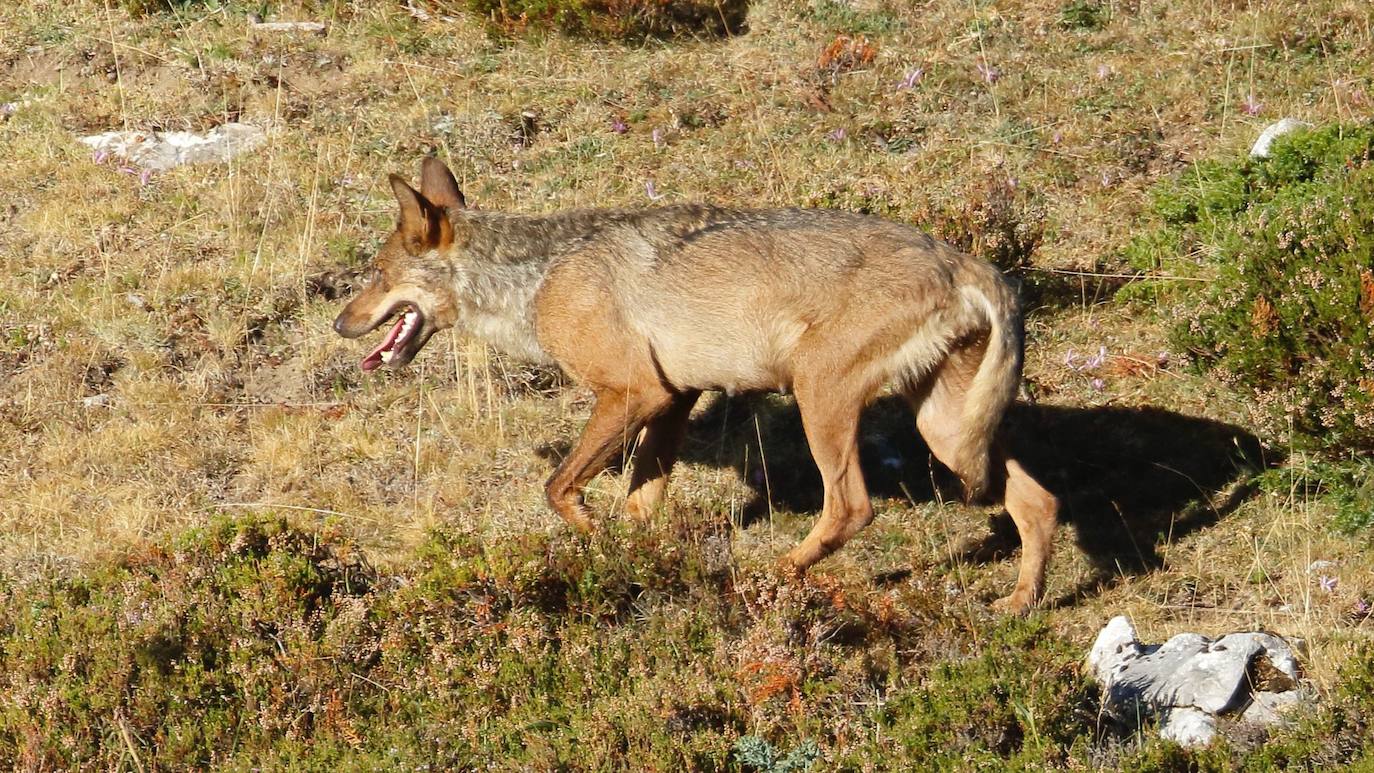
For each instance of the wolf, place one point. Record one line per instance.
(648, 308)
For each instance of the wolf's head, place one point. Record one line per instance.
(411, 279)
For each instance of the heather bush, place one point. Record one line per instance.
(1286, 245)
(614, 19)
(999, 221)
(252, 643)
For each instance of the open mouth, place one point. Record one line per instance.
(401, 334)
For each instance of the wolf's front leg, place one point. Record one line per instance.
(616, 417)
(656, 455)
(830, 416)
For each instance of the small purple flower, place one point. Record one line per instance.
(651, 191)
(1328, 583)
(1362, 607)
(1106, 179)
(1058, 137)
(1251, 106)
(128, 170)
(1099, 385)
(1104, 71)
(145, 176)
(1082, 364)
(838, 135)
(990, 74)
(9, 108)
(912, 78)
(100, 156)
(1097, 360)
(658, 138)
(618, 126)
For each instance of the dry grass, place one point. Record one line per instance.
(183, 305)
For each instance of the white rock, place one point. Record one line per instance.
(1215, 679)
(314, 27)
(1271, 708)
(1272, 132)
(1163, 676)
(418, 13)
(1188, 727)
(160, 151)
(1115, 642)
(1190, 678)
(1205, 675)
(95, 401)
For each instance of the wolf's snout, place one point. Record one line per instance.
(342, 326)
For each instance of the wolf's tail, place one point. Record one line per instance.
(997, 380)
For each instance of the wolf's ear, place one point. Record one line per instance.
(423, 226)
(412, 206)
(438, 185)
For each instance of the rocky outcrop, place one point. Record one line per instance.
(1191, 681)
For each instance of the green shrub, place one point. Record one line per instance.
(614, 19)
(1346, 487)
(754, 753)
(1019, 701)
(1286, 245)
(191, 646)
(851, 19)
(255, 644)
(138, 8)
(1083, 15)
(146, 7)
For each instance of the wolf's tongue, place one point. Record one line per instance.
(374, 358)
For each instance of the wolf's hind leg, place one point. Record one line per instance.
(656, 454)
(616, 418)
(1035, 512)
(939, 407)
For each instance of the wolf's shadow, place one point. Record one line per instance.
(1130, 480)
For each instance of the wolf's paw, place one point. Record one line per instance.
(1018, 604)
(639, 510)
(576, 515)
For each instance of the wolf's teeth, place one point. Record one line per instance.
(386, 355)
